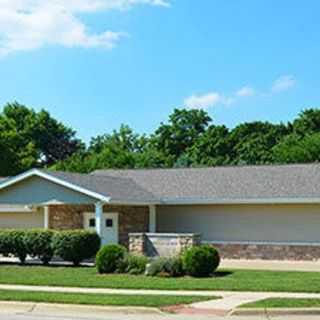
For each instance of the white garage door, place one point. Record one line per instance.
(266, 223)
(25, 220)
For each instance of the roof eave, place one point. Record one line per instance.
(35, 172)
(212, 201)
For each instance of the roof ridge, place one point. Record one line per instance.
(212, 167)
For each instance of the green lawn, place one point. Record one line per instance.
(99, 299)
(284, 303)
(237, 280)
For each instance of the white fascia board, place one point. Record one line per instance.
(38, 173)
(197, 201)
(15, 208)
(132, 202)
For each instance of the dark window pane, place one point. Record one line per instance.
(109, 223)
(92, 222)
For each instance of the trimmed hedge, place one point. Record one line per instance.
(74, 245)
(12, 242)
(201, 261)
(109, 257)
(39, 244)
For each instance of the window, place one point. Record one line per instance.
(109, 223)
(92, 223)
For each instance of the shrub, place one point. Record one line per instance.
(201, 261)
(109, 257)
(171, 267)
(12, 242)
(132, 264)
(39, 244)
(174, 267)
(75, 245)
(156, 267)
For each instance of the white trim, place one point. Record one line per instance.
(16, 208)
(196, 201)
(271, 243)
(99, 219)
(38, 173)
(46, 212)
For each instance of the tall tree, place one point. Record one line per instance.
(180, 133)
(33, 139)
(212, 148)
(251, 143)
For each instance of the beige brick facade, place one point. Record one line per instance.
(269, 251)
(131, 218)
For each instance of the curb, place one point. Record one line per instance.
(276, 312)
(53, 308)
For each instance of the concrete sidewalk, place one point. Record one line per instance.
(228, 302)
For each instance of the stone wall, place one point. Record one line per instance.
(268, 251)
(161, 244)
(131, 218)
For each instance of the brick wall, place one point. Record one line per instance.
(268, 251)
(131, 218)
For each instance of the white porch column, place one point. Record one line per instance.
(152, 219)
(46, 217)
(99, 219)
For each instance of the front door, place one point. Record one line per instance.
(110, 226)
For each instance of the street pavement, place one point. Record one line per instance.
(32, 311)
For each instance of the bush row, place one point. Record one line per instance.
(74, 245)
(200, 261)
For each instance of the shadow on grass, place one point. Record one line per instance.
(39, 264)
(221, 274)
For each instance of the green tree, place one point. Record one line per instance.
(308, 122)
(294, 149)
(30, 139)
(180, 133)
(212, 148)
(251, 143)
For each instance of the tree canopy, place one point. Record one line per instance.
(189, 138)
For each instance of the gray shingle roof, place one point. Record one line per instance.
(119, 189)
(226, 183)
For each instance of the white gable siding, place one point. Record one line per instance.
(35, 190)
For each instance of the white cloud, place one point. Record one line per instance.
(283, 83)
(202, 101)
(206, 101)
(245, 91)
(32, 24)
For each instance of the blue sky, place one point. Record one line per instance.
(95, 64)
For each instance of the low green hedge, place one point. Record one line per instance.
(38, 243)
(73, 245)
(76, 245)
(12, 242)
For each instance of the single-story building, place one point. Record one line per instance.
(267, 212)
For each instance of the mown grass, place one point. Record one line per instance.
(99, 299)
(235, 280)
(284, 303)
